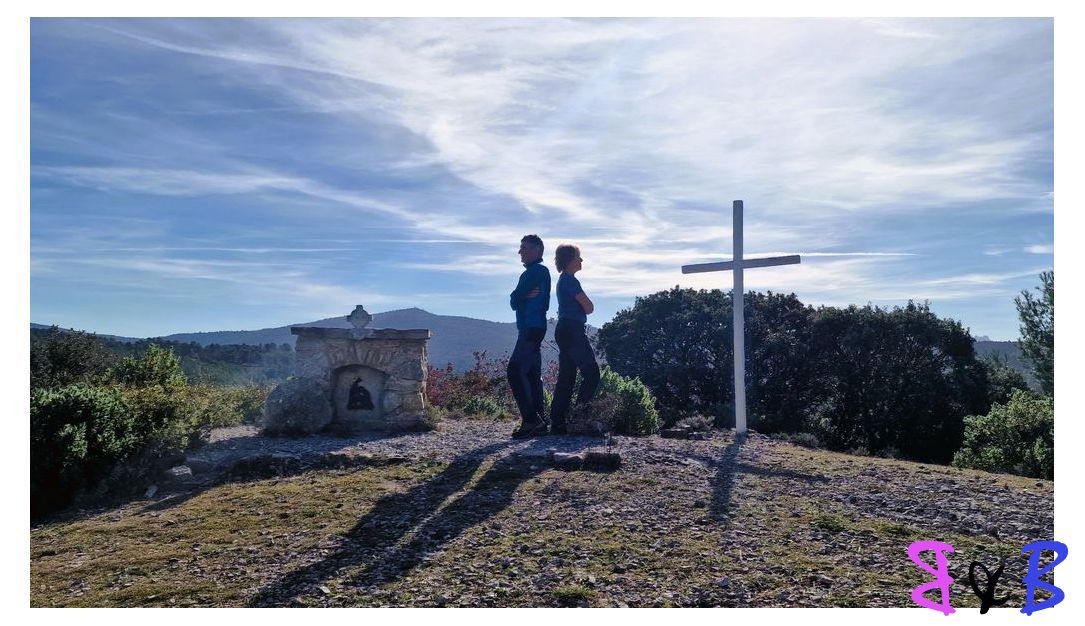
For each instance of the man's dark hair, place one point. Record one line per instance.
(533, 240)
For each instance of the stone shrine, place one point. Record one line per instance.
(374, 379)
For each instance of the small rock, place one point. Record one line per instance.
(153, 489)
(699, 504)
(568, 461)
(821, 579)
(178, 473)
(199, 466)
(602, 460)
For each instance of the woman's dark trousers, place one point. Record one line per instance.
(574, 354)
(525, 375)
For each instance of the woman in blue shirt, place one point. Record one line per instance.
(574, 351)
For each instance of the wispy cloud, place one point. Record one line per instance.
(859, 144)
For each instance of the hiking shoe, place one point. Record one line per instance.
(529, 429)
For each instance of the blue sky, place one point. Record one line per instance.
(210, 174)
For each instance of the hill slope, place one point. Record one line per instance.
(1012, 353)
(454, 340)
(463, 516)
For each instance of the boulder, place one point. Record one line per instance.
(298, 406)
(178, 474)
(568, 460)
(602, 461)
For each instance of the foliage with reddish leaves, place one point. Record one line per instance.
(448, 389)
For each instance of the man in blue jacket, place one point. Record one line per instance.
(530, 300)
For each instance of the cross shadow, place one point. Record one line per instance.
(374, 541)
(728, 466)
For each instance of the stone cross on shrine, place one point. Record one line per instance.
(737, 264)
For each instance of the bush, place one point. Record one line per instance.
(209, 407)
(1001, 379)
(434, 415)
(680, 344)
(857, 377)
(636, 411)
(482, 405)
(158, 366)
(596, 417)
(60, 358)
(77, 433)
(88, 440)
(1016, 437)
(696, 422)
(806, 440)
(449, 390)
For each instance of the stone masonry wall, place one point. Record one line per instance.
(398, 354)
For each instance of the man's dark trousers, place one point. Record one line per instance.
(525, 374)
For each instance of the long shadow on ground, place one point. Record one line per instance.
(728, 466)
(723, 483)
(373, 542)
(252, 462)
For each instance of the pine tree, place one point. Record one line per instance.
(1037, 341)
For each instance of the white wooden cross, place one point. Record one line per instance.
(738, 304)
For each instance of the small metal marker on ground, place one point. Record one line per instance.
(737, 264)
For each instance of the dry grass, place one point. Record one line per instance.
(773, 530)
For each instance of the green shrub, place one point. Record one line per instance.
(1001, 379)
(806, 440)
(208, 406)
(60, 358)
(830, 522)
(77, 433)
(636, 412)
(432, 416)
(1016, 437)
(573, 595)
(696, 422)
(596, 417)
(482, 405)
(158, 366)
(89, 440)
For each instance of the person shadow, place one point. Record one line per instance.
(403, 528)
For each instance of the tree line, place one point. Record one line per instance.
(893, 381)
(54, 351)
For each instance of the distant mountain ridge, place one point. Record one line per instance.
(1012, 353)
(454, 340)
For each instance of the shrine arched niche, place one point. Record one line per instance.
(358, 393)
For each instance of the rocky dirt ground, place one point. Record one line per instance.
(465, 516)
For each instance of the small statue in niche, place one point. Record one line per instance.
(359, 398)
